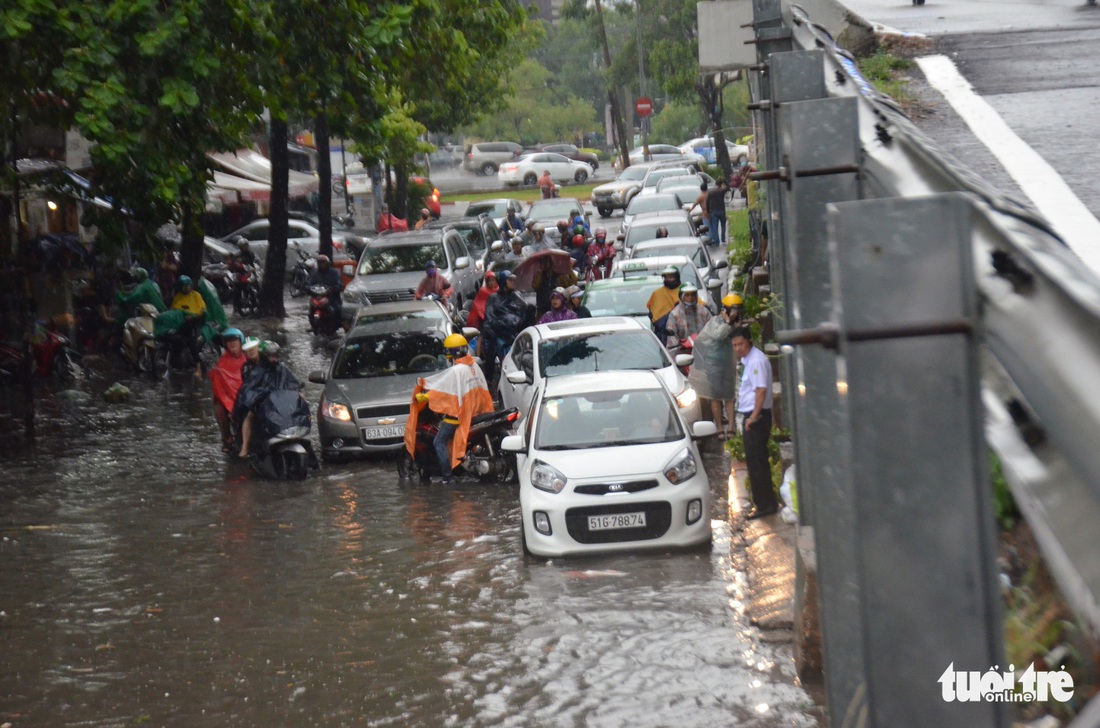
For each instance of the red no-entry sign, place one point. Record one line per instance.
(643, 106)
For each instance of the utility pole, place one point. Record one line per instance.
(616, 110)
(643, 121)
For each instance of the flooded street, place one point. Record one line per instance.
(147, 580)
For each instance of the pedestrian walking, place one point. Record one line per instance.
(716, 212)
(754, 404)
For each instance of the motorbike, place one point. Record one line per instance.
(139, 344)
(171, 351)
(321, 318)
(222, 279)
(484, 458)
(299, 277)
(684, 346)
(246, 288)
(53, 356)
(280, 447)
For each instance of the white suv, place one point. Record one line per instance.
(486, 157)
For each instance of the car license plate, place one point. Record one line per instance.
(616, 520)
(381, 433)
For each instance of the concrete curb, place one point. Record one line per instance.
(851, 31)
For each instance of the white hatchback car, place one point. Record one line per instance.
(527, 169)
(606, 463)
(605, 344)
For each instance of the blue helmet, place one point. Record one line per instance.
(503, 277)
(233, 334)
(183, 281)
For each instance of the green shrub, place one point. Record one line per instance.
(1004, 505)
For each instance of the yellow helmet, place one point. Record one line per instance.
(455, 341)
(732, 299)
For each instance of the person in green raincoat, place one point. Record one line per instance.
(146, 291)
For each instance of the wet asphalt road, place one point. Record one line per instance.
(147, 580)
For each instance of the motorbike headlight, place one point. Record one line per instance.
(335, 411)
(682, 467)
(687, 398)
(547, 477)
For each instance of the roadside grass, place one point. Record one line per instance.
(525, 194)
(885, 71)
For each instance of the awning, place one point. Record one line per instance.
(232, 189)
(251, 165)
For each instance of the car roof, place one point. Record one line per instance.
(413, 237)
(458, 222)
(655, 263)
(602, 382)
(666, 242)
(655, 197)
(397, 326)
(659, 217)
(647, 281)
(580, 326)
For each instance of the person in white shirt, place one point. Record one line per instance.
(754, 403)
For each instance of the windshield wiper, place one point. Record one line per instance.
(565, 447)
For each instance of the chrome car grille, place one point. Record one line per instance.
(634, 486)
(396, 294)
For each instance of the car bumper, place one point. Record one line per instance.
(347, 438)
(614, 200)
(666, 508)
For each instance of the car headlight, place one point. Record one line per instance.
(335, 411)
(687, 398)
(682, 467)
(547, 477)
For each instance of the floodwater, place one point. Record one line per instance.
(147, 580)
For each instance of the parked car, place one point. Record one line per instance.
(550, 212)
(617, 195)
(694, 248)
(587, 345)
(365, 401)
(609, 464)
(666, 152)
(644, 227)
(567, 150)
(496, 209)
(704, 147)
(479, 234)
(527, 169)
(392, 266)
(301, 235)
(486, 157)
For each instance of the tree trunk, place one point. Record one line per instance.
(710, 98)
(191, 234)
(616, 109)
(401, 191)
(271, 294)
(324, 174)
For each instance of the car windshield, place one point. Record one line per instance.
(400, 258)
(387, 355)
(652, 203)
(641, 233)
(607, 419)
(694, 252)
(601, 351)
(553, 209)
(632, 173)
(619, 300)
(687, 275)
(475, 241)
(493, 209)
(367, 316)
(659, 174)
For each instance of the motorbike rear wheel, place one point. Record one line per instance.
(298, 283)
(248, 303)
(162, 362)
(68, 366)
(145, 359)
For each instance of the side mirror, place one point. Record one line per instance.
(517, 377)
(514, 443)
(348, 270)
(462, 263)
(687, 206)
(497, 246)
(470, 332)
(701, 429)
(721, 263)
(318, 376)
(714, 284)
(684, 360)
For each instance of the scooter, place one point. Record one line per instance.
(139, 345)
(684, 346)
(246, 288)
(303, 269)
(53, 356)
(280, 448)
(171, 351)
(321, 318)
(484, 458)
(222, 279)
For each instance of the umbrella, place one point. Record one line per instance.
(525, 271)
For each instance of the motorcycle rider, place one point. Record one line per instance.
(546, 279)
(457, 394)
(269, 375)
(514, 256)
(513, 225)
(663, 300)
(687, 318)
(425, 218)
(244, 260)
(576, 219)
(190, 301)
(225, 382)
(506, 314)
(538, 240)
(329, 277)
(601, 253)
(144, 292)
(433, 283)
(244, 253)
(575, 294)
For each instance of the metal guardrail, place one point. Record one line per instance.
(927, 316)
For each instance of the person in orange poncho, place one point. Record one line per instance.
(225, 380)
(457, 394)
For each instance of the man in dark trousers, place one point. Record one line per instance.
(716, 212)
(754, 403)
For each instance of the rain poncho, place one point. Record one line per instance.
(713, 375)
(562, 314)
(662, 301)
(460, 392)
(225, 379)
(505, 316)
(144, 292)
(216, 320)
(685, 321)
(260, 381)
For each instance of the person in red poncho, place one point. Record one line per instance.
(477, 310)
(225, 380)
